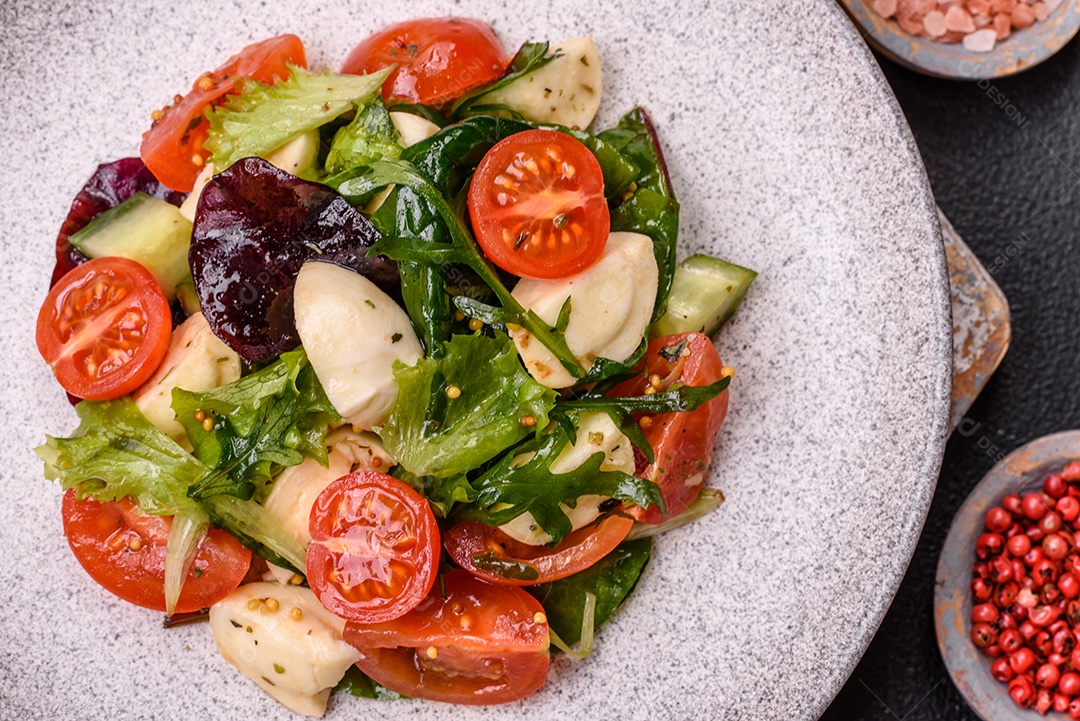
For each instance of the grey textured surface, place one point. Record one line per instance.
(789, 155)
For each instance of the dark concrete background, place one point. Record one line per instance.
(1004, 161)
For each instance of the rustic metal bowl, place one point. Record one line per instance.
(1022, 470)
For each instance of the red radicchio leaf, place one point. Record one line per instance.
(109, 186)
(255, 227)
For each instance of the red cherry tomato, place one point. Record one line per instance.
(682, 442)
(537, 205)
(490, 554)
(104, 328)
(123, 549)
(374, 547)
(477, 644)
(173, 146)
(438, 59)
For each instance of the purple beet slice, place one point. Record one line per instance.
(109, 186)
(255, 226)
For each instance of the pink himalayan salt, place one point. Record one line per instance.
(1002, 6)
(1003, 25)
(1041, 13)
(934, 24)
(959, 20)
(885, 8)
(983, 21)
(981, 41)
(1052, 5)
(979, 7)
(911, 24)
(1022, 16)
(922, 7)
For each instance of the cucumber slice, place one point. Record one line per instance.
(185, 293)
(149, 231)
(705, 293)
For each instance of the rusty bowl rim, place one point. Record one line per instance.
(1022, 470)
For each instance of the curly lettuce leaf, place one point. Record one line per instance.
(264, 422)
(431, 434)
(263, 117)
(369, 137)
(115, 452)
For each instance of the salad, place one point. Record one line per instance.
(389, 374)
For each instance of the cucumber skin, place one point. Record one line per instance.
(163, 250)
(710, 289)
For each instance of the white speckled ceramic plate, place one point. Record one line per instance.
(790, 156)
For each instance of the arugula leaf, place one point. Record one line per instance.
(264, 117)
(432, 435)
(364, 182)
(263, 422)
(611, 579)
(514, 488)
(530, 57)
(369, 137)
(115, 452)
(656, 216)
(621, 409)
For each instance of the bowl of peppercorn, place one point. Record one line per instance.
(1007, 596)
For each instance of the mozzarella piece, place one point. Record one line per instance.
(611, 303)
(196, 361)
(297, 662)
(353, 334)
(188, 207)
(413, 128)
(566, 91)
(295, 489)
(298, 154)
(596, 433)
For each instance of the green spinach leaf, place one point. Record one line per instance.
(652, 214)
(530, 57)
(611, 579)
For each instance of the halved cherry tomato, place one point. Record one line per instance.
(438, 59)
(682, 443)
(537, 205)
(173, 146)
(478, 644)
(123, 549)
(374, 547)
(490, 554)
(104, 328)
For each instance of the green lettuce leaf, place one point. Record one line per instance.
(369, 137)
(115, 452)
(514, 488)
(433, 435)
(263, 117)
(264, 422)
